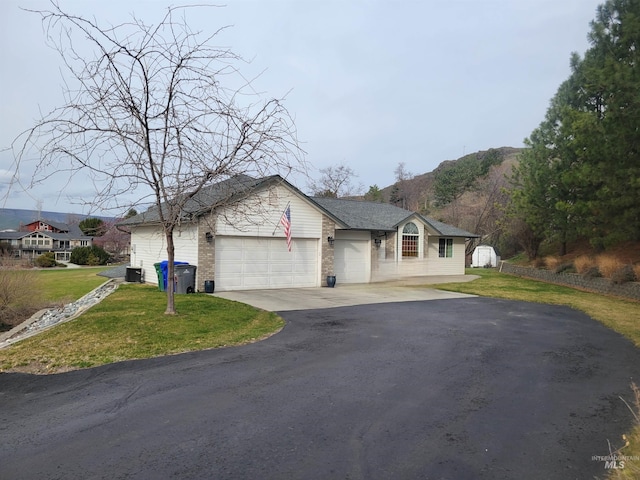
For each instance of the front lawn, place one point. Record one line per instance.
(131, 324)
(69, 284)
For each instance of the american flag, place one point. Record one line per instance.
(285, 220)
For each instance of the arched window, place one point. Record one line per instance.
(410, 240)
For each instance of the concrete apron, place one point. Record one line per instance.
(405, 290)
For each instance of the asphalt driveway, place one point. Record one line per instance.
(467, 388)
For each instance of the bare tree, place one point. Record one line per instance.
(147, 113)
(335, 181)
(404, 193)
(114, 241)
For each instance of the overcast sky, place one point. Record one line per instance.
(369, 83)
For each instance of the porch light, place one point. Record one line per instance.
(331, 240)
(209, 237)
(378, 242)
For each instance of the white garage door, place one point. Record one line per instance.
(255, 263)
(352, 261)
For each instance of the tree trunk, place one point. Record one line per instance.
(563, 248)
(171, 307)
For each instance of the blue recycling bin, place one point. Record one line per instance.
(164, 267)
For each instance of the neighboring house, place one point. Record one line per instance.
(43, 236)
(243, 245)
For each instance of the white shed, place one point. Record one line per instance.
(484, 256)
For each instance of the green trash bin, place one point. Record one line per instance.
(161, 284)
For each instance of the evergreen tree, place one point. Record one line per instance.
(580, 176)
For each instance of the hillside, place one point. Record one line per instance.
(12, 218)
(419, 192)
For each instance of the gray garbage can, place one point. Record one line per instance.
(185, 278)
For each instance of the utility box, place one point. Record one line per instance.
(133, 274)
(185, 278)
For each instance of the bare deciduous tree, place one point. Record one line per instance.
(147, 113)
(406, 192)
(335, 181)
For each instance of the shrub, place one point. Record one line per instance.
(591, 272)
(623, 275)
(608, 265)
(565, 268)
(584, 264)
(46, 260)
(93, 255)
(636, 270)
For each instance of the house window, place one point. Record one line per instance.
(445, 248)
(410, 240)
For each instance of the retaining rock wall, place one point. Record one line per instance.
(598, 285)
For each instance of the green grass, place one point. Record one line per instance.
(69, 284)
(131, 324)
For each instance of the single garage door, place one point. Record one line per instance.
(352, 261)
(254, 263)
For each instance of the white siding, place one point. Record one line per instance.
(446, 266)
(260, 216)
(148, 246)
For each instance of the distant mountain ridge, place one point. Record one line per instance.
(12, 218)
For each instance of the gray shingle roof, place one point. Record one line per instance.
(364, 215)
(360, 215)
(208, 198)
(350, 214)
(449, 230)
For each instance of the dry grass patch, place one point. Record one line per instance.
(583, 264)
(552, 262)
(608, 264)
(19, 297)
(630, 449)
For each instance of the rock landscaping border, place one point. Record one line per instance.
(48, 318)
(629, 290)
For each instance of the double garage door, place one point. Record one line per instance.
(254, 263)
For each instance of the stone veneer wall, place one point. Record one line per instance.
(206, 252)
(390, 247)
(327, 252)
(598, 285)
